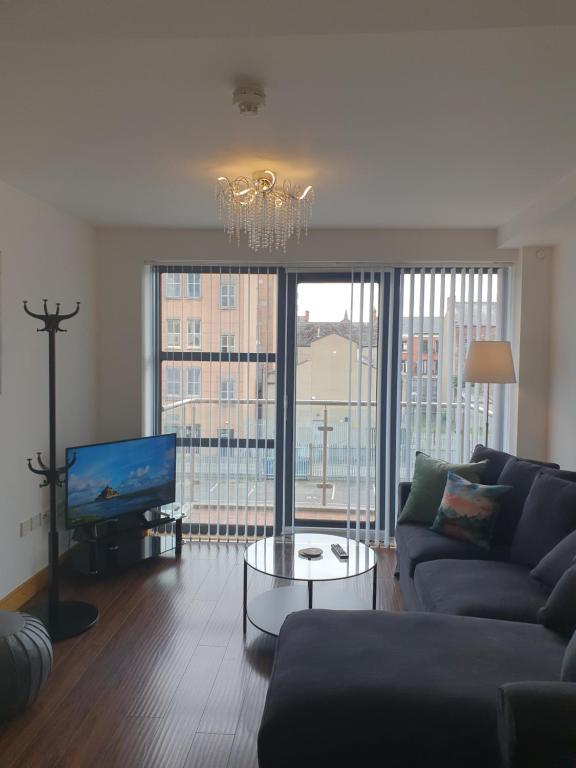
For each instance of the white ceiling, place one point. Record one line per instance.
(127, 119)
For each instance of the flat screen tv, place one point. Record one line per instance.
(111, 479)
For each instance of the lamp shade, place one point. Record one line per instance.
(490, 362)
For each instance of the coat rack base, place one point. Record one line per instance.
(71, 618)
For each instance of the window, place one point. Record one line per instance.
(194, 383)
(225, 434)
(192, 431)
(404, 345)
(434, 367)
(425, 346)
(173, 382)
(172, 285)
(404, 366)
(193, 286)
(227, 293)
(227, 342)
(435, 345)
(172, 332)
(227, 389)
(194, 333)
(424, 367)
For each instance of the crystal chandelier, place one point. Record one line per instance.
(267, 213)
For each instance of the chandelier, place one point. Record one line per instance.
(269, 214)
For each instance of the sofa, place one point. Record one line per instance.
(446, 575)
(479, 671)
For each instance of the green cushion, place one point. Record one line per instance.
(428, 486)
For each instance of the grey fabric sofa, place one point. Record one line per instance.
(411, 690)
(467, 677)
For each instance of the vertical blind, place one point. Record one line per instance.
(442, 311)
(397, 387)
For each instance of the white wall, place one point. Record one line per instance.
(562, 412)
(531, 341)
(45, 254)
(122, 253)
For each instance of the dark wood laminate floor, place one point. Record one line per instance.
(166, 679)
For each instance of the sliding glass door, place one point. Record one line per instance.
(335, 390)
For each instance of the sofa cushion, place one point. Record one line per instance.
(520, 475)
(568, 671)
(418, 689)
(418, 544)
(552, 566)
(468, 510)
(480, 588)
(549, 516)
(428, 485)
(497, 460)
(559, 612)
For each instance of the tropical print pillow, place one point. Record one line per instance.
(468, 510)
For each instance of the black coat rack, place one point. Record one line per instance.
(63, 618)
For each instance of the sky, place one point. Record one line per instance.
(128, 466)
(327, 302)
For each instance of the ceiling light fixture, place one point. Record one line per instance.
(269, 214)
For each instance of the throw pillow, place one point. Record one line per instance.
(559, 611)
(468, 510)
(497, 460)
(428, 485)
(568, 671)
(550, 569)
(520, 474)
(549, 516)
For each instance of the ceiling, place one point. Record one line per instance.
(121, 114)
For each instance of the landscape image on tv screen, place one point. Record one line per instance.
(111, 479)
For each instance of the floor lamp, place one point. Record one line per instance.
(489, 362)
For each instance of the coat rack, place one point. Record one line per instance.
(63, 618)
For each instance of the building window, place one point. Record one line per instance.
(425, 346)
(194, 383)
(192, 431)
(172, 285)
(194, 333)
(173, 382)
(404, 366)
(404, 345)
(173, 332)
(435, 345)
(193, 286)
(225, 434)
(227, 293)
(424, 367)
(434, 367)
(227, 343)
(227, 389)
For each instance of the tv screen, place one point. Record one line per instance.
(111, 479)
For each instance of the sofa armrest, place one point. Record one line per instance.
(537, 725)
(403, 491)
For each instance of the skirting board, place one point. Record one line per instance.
(29, 589)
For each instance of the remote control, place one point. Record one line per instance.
(339, 551)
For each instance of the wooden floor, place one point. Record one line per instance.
(166, 679)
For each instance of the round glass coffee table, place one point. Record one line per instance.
(278, 557)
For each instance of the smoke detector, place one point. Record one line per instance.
(249, 97)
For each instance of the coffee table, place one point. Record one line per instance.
(278, 557)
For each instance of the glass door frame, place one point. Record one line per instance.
(386, 402)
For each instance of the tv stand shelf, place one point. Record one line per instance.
(116, 544)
